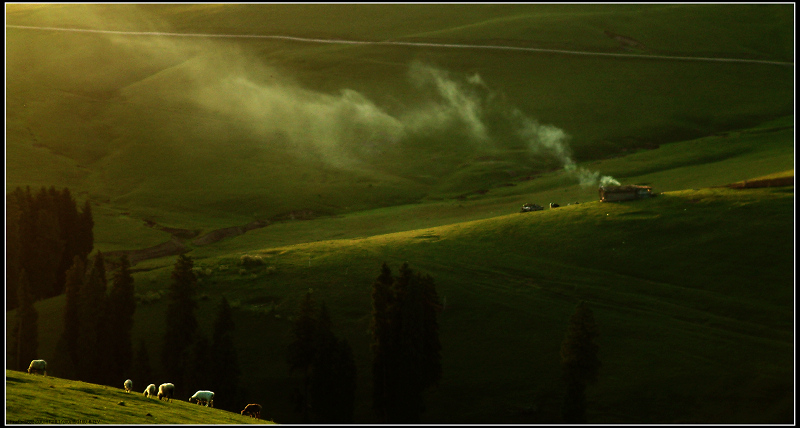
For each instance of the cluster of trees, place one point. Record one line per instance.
(44, 233)
(95, 345)
(327, 366)
(406, 351)
(406, 348)
(48, 243)
(188, 358)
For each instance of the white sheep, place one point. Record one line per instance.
(38, 366)
(165, 390)
(150, 391)
(206, 397)
(128, 385)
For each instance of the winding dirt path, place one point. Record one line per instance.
(180, 240)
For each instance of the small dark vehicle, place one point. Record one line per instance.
(531, 207)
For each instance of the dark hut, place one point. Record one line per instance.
(624, 193)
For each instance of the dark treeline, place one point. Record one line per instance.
(406, 348)
(327, 366)
(96, 344)
(44, 233)
(189, 360)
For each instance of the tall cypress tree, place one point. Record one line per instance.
(224, 360)
(26, 330)
(67, 213)
(141, 370)
(180, 322)
(198, 366)
(91, 364)
(382, 343)
(408, 358)
(67, 354)
(13, 265)
(85, 227)
(121, 307)
(332, 379)
(579, 362)
(301, 350)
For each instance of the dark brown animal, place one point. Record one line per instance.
(252, 410)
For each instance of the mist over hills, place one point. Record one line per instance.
(163, 121)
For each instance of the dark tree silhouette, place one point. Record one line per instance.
(85, 227)
(198, 366)
(579, 362)
(92, 321)
(408, 355)
(332, 380)
(141, 370)
(44, 232)
(302, 349)
(180, 323)
(121, 308)
(67, 347)
(13, 263)
(26, 330)
(224, 362)
(382, 300)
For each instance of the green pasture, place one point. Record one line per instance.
(692, 291)
(169, 128)
(34, 399)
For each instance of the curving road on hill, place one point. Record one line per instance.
(398, 43)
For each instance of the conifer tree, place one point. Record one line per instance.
(180, 322)
(579, 362)
(382, 300)
(121, 308)
(141, 370)
(301, 350)
(67, 353)
(407, 358)
(198, 367)
(26, 330)
(92, 320)
(13, 266)
(332, 379)
(67, 213)
(85, 227)
(224, 359)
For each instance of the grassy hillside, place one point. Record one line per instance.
(51, 400)
(692, 291)
(155, 125)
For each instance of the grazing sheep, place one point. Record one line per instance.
(252, 410)
(150, 391)
(128, 385)
(38, 366)
(200, 397)
(165, 390)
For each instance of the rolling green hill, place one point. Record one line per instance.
(51, 400)
(692, 291)
(211, 132)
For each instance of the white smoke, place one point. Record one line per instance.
(455, 104)
(555, 142)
